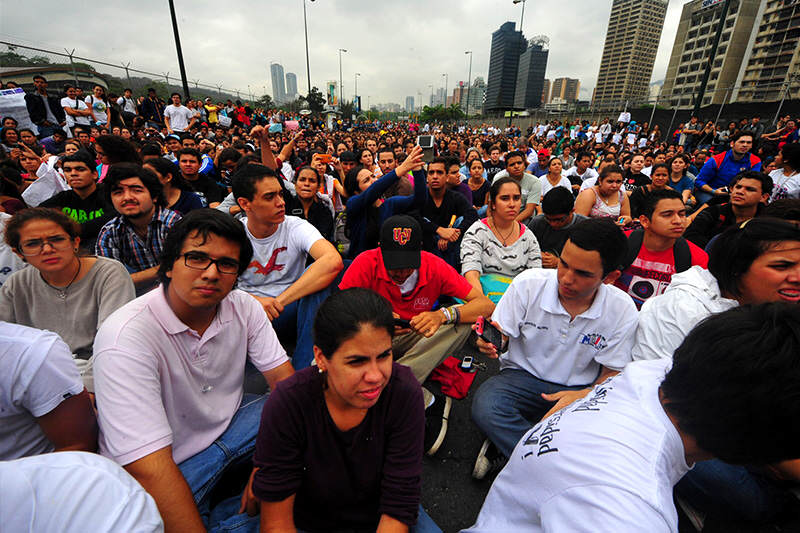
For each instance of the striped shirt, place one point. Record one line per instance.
(119, 241)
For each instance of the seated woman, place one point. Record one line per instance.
(340, 445)
(478, 183)
(177, 193)
(659, 176)
(554, 177)
(606, 199)
(680, 178)
(61, 291)
(308, 204)
(497, 248)
(366, 210)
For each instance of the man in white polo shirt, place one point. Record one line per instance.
(566, 330)
(178, 117)
(169, 369)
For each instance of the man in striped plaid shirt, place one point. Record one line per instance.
(136, 236)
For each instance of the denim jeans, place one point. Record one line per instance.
(733, 491)
(203, 470)
(509, 404)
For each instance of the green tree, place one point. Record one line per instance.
(316, 100)
(347, 109)
(265, 102)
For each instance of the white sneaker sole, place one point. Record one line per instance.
(481, 467)
(448, 402)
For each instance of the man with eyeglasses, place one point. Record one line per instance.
(169, 369)
(553, 226)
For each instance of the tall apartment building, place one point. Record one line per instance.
(546, 92)
(530, 77)
(698, 25)
(291, 85)
(278, 87)
(773, 54)
(507, 45)
(566, 88)
(634, 29)
(409, 104)
(475, 97)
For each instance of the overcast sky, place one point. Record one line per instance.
(400, 47)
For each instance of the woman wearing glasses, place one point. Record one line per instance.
(60, 290)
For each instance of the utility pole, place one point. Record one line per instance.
(341, 83)
(178, 48)
(469, 78)
(127, 73)
(308, 65)
(72, 64)
(698, 99)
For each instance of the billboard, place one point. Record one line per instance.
(333, 93)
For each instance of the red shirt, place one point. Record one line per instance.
(436, 278)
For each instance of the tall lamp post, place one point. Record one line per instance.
(355, 92)
(308, 64)
(522, 17)
(445, 89)
(469, 78)
(341, 92)
(178, 48)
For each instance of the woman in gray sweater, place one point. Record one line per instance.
(497, 248)
(59, 290)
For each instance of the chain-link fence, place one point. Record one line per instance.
(18, 63)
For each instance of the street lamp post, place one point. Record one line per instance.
(522, 17)
(341, 92)
(178, 48)
(469, 78)
(445, 89)
(308, 64)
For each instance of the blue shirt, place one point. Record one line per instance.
(720, 170)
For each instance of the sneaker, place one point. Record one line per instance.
(436, 423)
(695, 517)
(489, 460)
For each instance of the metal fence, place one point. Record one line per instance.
(69, 67)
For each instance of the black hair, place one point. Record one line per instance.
(439, 160)
(39, 77)
(791, 155)
(179, 95)
(734, 251)
(516, 153)
(204, 221)
(342, 315)
(742, 133)
(81, 156)
(122, 171)
(785, 208)
(451, 161)
(734, 385)
(653, 197)
(385, 149)
(229, 154)
(558, 201)
(307, 167)
(764, 179)
(581, 155)
(118, 150)
(603, 236)
(194, 152)
(152, 149)
(243, 181)
(479, 160)
(20, 218)
(166, 167)
(656, 166)
(610, 169)
(348, 156)
(351, 180)
(494, 190)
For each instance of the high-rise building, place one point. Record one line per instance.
(278, 88)
(291, 86)
(476, 96)
(634, 29)
(409, 104)
(507, 45)
(566, 88)
(546, 92)
(693, 41)
(530, 76)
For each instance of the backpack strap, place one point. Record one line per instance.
(682, 255)
(635, 240)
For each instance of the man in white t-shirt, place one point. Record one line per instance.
(43, 404)
(528, 183)
(277, 275)
(581, 172)
(170, 368)
(610, 461)
(178, 117)
(564, 330)
(77, 112)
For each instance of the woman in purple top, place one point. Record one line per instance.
(340, 445)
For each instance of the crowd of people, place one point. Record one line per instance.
(640, 291)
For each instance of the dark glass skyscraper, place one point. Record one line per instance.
(507, 46)
(530, 77)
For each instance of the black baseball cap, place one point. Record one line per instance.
(401, 242)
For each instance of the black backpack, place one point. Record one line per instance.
(680, 251)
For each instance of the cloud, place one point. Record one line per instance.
(399, 47)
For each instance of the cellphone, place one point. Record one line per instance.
(400, 323)
(325, 158)
(426, 143)
(466, 363)
(489, 333)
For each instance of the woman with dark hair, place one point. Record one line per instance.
(497, 248)
(787, 178)
(554, 176)
(309, 206)
(28, 138)
(62, 291)
(178, 194)
(110, 150)
(606, 199)
(659, 176)
(340, 444)
(98, 103)
(367, 160)
(366, 210)
(9, 138)
(477, 182)
(680, 178)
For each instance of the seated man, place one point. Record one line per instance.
(553, 226)
(85, 203)
(169, 369)
(189, 161)
(750, 191)
(413, 281)
(135, 237)
(610, 461)
(563, 331)
(657, 251)
(43, 404)
(277, 275)
(530, 185)
(445, 215)
(388, 162)
(718, 171)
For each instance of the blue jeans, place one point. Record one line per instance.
(733, 491)
(47, 131)
(203, 470)
(509, 404)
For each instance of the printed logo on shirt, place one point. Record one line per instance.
(271, 265)
(597, 399)
(422, 303)
(543, 441)
(595, 340)
(401, 235)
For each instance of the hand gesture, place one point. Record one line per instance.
(412, 162)
(563, 398)
(397, 329)
(427, 323)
